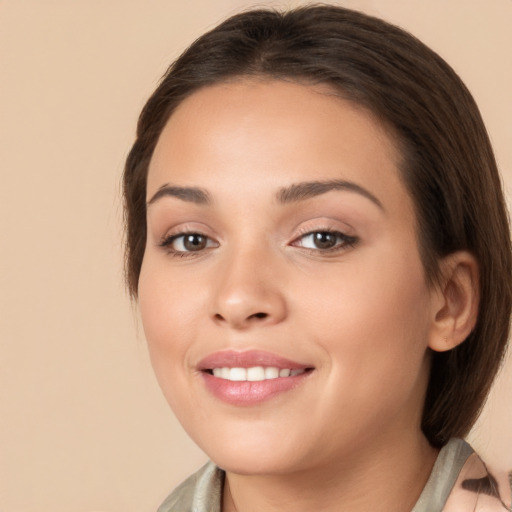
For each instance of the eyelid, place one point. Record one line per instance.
(171, 235)
(323, 223)
(330, 231)
(348, 240)
(185, 229)
(168, 239)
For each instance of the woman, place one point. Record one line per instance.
(318, 241)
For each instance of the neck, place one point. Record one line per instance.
(386, 478)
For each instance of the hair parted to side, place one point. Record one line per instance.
(448, 164)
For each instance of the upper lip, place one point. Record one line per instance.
(248, 359)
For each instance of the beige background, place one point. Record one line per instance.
(82, 424)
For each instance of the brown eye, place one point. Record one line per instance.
(325, 241)
(186, 243)
(194, 242)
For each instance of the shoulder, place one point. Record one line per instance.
(461, 482)
(480, 487)
(201, 492)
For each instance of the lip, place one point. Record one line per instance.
(247, 359)
(247, 393)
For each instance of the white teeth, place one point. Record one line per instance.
(271, 372)
(254, 373)
(237, 374)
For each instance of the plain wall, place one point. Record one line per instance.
(83, 426)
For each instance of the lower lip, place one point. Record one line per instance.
(244, 393)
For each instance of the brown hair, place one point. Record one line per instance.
(448, 164)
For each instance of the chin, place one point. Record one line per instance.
(254, 462)
(251, 451)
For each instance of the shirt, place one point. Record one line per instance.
(460, 482)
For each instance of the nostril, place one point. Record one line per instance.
(259, 315)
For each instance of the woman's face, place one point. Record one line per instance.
(282, 294)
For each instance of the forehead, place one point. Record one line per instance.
(276, 131)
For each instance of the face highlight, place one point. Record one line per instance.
(282, 293)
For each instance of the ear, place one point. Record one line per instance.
(455, 301)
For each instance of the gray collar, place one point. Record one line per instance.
(202, 492)
(444, 474)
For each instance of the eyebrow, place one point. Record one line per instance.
(190, 194)
(309, 189)
(292, 193)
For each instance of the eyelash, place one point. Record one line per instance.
(344, 242)
(167, 242)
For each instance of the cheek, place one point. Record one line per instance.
(165, 308)
(373, 321)
(168, 309)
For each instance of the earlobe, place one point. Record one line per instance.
(455, 302)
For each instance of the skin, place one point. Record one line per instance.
(362, 315)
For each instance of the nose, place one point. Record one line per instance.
(248, 292)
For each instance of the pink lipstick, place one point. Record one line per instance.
(250, 377)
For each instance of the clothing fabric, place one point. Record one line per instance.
(460, 482)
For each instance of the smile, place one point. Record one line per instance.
(249, 378)
(255, 373)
